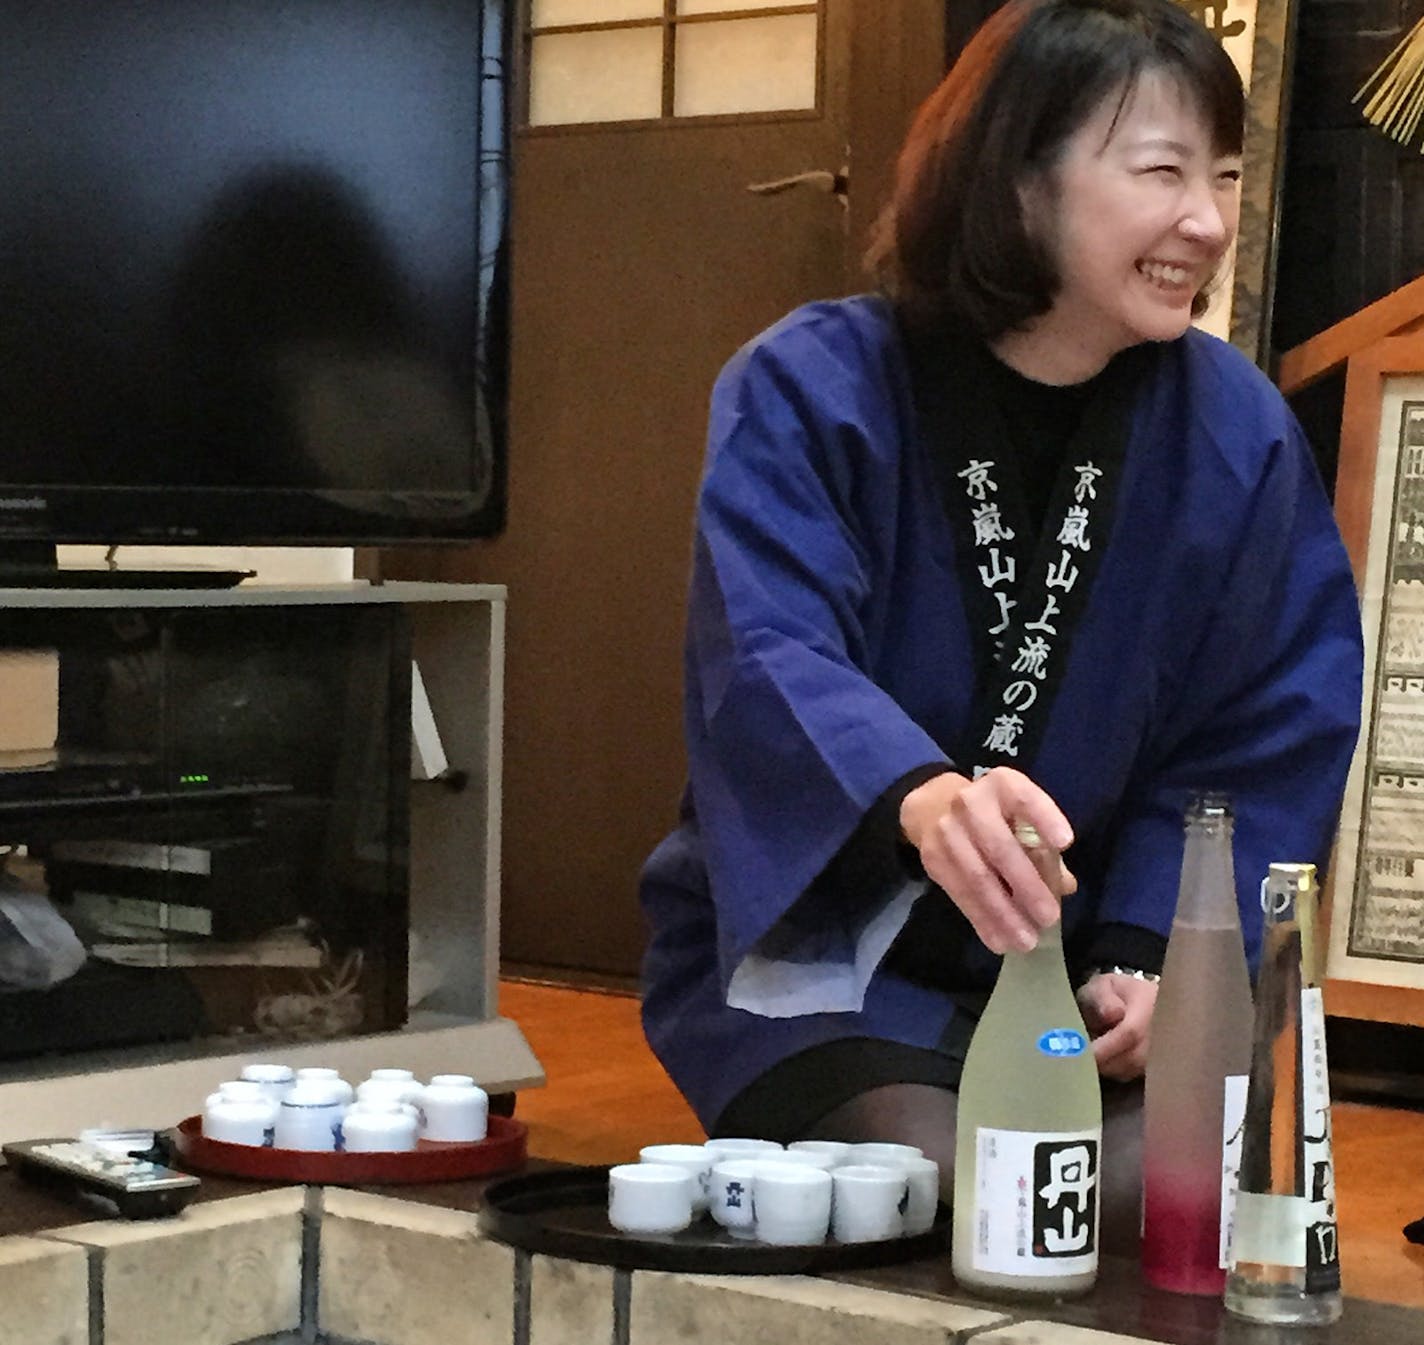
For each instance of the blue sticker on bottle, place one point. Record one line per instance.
(1063, 1042)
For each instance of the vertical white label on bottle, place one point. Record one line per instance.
(1036, 1201)
(1233, 1125)
(1322, 1259)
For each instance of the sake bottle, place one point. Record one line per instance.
(1029, 1137)
(1197, 1066)
(1285, 1255)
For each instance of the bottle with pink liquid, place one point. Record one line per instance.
(1197, 1069)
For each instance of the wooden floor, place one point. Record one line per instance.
(607, 1095)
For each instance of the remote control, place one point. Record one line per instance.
(99, 1179)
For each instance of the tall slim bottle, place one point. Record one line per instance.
(1285, 1253)
(1197, 1067)
(1029, 1128)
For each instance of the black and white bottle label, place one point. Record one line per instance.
(1036, 1201)
(1322, 1251)
(1233, 1130)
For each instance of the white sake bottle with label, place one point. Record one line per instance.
(1026, 1188)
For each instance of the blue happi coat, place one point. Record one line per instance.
(828, 654)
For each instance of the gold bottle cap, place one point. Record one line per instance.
(1299, 876)
(1027, 835)
(1299, 881)
(1046, 859)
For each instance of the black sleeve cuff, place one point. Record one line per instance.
(886, 814)
(876, 854)
(1125, 946)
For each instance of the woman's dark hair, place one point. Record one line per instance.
(952, 242)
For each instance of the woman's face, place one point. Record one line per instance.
(1138, 216)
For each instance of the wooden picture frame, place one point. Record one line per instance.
(1375, 959)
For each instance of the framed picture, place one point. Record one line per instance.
(1375, 964)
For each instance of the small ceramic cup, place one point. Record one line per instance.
(378, 1127)
(238, 1090)
(310, 1117)
(650, 1197)
(239, 1113)
(379, 1094)
(805, 1158)
(400, 1075)
(733, 1147)
(387, 1090)
(792, 1203)
(276, 1080)
(838, 1150)
(869, 1202)
(327, 1075)
(922, 1195)
(731, 1195)
(455, 1108)
(410, 1086)
(879, 1152)
(694, 1159)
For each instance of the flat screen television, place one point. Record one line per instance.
(251, 271)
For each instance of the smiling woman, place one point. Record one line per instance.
(1010, 541)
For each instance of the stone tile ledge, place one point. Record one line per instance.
(354, 1268)
(1053, 1333)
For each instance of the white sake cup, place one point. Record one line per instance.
(694, 1159)
(328, 1075)
(730, 1195)
(805, 1158)
(385, 1084)
(310, 1117)
(455, 1108)
(869, 1202)
(234, 1120)
(650, 1197)
(380, 1102)
(879, 1152)
(922, 1195)
(405, 1076)
(379, 1127)
(732, 1146)
(276, 1080)
(792, 1203)
(837, 1150)
(237, 1090)
(383, 1090)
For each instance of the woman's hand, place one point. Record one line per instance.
(963, 830)
(1118, 1014)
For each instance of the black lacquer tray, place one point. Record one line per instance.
(565, 1213)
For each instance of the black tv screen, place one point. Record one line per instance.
(250, 271)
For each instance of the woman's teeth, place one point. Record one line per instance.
(1163, 273)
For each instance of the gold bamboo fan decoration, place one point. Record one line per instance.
(1397, 103)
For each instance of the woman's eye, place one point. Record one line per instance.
(1229, 175)
(1167, 169)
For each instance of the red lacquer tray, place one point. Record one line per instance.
(502, 1150)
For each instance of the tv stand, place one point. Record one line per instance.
(457, 637)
